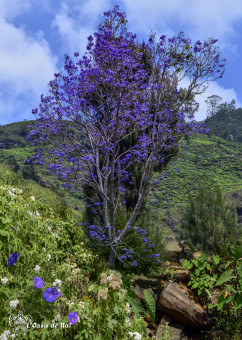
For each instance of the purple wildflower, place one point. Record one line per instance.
(12, 259)
(38, 282)
(73, 317)
(51, 294)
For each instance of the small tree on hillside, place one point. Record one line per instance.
(213, 105)
(106, 95)
(207, 222)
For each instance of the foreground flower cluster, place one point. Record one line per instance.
(56, 281)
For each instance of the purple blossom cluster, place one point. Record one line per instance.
(50, 294)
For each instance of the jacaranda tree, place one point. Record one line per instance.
(108, 95)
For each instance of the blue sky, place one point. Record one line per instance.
(35, 35)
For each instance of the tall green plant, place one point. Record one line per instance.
(207, 222)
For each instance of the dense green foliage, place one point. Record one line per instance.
(14, 134)
(202, 160)
(52, 246)
(227, 121)
(208, 223)
(222, 276)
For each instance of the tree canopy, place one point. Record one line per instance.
(121, 88)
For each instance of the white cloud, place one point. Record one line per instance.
(25, 62)
(214, 89)
(74, 35)
(26, 67)
(77, 20)
(10, 9)
(198, 19)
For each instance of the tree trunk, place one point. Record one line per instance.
(112, 256)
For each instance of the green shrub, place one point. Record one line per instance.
(222, 276)
(51, 247)
(207, 222)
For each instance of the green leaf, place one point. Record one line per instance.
(136, 307)
(150, 304)
(111, 322)
(236, 252)
(4, 232)
(228, 263)
(228, 299)
(216, 259)
(116, 309)
(237, 300)
(190, 246)
(187, 264)
(220, 302)
(226, 276)
(202, 257)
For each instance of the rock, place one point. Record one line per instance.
(150, 290)
(215, 295)
(165, 319)
(196, 255)
(178, 302)
(173, 332)
(178, 274)
(148, 318)
(216, 334)
(150, 333)
(139, 292)
(146, 282)
(174, 250)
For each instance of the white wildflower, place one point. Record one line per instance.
(4, 280)
(102, 294)
(76, 271)
(127, 322)
(57, 317)
(103, 278)
(11, 193)
(37, 268)
(135, 335)
(48, 257)
(32, 198)
(81, 304)
(115, 283)
(57, 283)
(127, 308)
(13, 304)
(3, 337)
(7, 333)
(17, 191)
(13, 336)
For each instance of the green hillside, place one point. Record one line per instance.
(203, 160)
(14, 134)
(226, 122)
